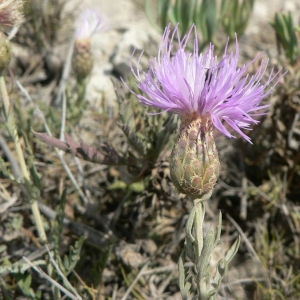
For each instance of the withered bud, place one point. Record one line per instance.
(11, 13)
(5, 52)
(194, 166)
(82, 61)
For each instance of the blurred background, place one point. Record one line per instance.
(113, 221)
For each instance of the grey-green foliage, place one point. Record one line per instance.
(286, 35)
(4, 170)
(230, 16)
(206, 20)
(199, 282)
(61, 268)
(147, 136)
(20, 271)
(56, 235)
(68, 263)
(235, 15)
(223, 266)
(46, 15)
(185, 13)
(35, 175)
(151, 142)
(24, 283)
(73, 257)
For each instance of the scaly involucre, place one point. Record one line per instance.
(188, 82)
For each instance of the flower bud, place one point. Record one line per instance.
(82, 61)
(194, 166)
(5, 52)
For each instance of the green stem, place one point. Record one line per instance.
(199, 247)
(26, 175)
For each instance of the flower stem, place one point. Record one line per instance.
(198, 248)
(26, 175)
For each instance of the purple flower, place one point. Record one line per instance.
(187, 83)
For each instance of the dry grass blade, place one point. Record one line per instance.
(47, 277)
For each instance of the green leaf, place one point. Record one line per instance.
(137, 187)
(58, 224)
(207, 20)
(137, 143)
(24, 283)
(5, 171)
(73, 257)
(119, 184)
(235, 15)
(163, 11)
(286, 35)
(223, 265)
(36, 177)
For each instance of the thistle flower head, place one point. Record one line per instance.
(11, 13)
(89, 22)
(208, 94)
(189, 83)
